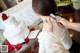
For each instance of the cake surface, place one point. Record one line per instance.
(15, 32)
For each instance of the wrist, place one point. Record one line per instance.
(69, 25)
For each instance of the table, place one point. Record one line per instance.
(2, 38)
(27, 47)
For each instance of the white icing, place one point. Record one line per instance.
(15, 32)
(10, 22)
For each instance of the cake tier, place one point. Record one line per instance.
(15, 33)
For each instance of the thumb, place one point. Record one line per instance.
(49, 20)
(60, 20)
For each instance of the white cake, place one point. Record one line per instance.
(15, 32)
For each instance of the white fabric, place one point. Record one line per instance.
(49, 43)
(62, 33)
(26, 14)
(15, 32)
(22, 12)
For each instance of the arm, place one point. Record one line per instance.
(67, 24)
(74, 26)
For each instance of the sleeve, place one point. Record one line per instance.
(53, 44)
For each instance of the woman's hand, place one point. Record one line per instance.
(64, 22)
(33, 27)
(47, 25)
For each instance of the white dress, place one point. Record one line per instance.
(49, 43)
(57, 42)
(62, 33)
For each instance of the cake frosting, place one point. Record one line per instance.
(15, 32)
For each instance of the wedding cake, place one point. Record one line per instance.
(15, 32)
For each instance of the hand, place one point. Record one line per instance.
(33, 27)
(64, 22)
(47, 24)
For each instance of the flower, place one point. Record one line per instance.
(27, 40)
(4, 16)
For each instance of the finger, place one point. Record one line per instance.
(60, 24)
(49, 20)
(60, 20)
(45, 20)
(58, 17)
